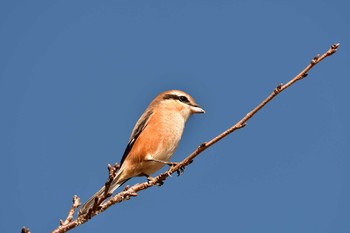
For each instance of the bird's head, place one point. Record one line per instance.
(178, 101)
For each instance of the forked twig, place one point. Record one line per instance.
(76, 204)
(98, 200)
(127, 193)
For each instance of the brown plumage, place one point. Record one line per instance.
(153, 139)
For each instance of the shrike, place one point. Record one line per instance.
(153, 139)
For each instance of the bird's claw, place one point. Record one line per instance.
(180, 171)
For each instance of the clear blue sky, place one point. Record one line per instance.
(76, 75)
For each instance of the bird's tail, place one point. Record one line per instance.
(115, 184)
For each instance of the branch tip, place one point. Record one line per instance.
(76, 201)
(114, 167)
(333, 49)
(335, 46)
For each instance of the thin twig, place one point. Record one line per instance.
(127, 193)
(76, 204)
(106, 194)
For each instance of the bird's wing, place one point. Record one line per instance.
(139, 127)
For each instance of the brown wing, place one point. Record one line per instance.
(140, 126)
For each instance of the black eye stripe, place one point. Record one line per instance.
(171, 96)
(181, 98)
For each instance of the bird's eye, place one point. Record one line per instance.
(183, 99)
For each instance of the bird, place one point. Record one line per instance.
(153, 140)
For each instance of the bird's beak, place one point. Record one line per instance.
(197, 109)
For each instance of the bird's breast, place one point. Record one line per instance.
(159, 139)
(168, 134)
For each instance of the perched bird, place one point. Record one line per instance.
(153, 139)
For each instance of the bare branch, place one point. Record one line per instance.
(103, 204)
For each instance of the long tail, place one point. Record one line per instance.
(115, 184)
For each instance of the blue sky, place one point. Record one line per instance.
(76, 75)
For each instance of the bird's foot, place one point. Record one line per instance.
(180, 171)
